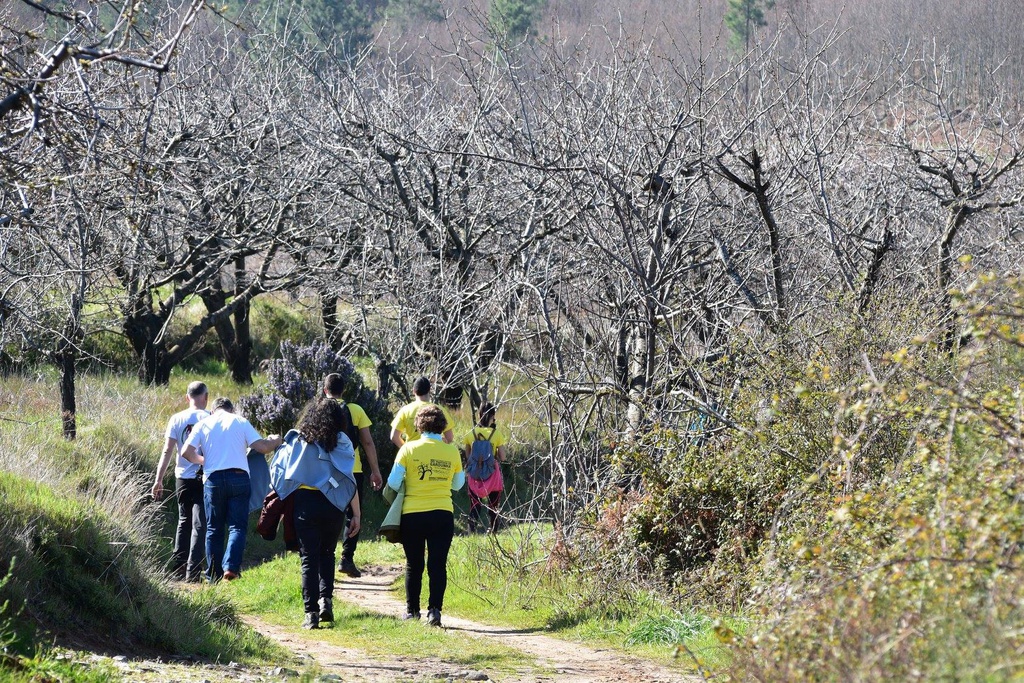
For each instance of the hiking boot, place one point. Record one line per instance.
(326, 610)
(408, 616)
(433, 617)
(230, 575)
(312, 621)
(349, 568)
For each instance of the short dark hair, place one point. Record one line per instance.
(486, 413)
(431, 420)
(320, 423)
(222, 403)
(334, 385)
(196, 389)
(421, 387)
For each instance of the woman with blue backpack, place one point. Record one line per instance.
(485, 451)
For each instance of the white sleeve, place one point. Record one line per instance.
(251, 435)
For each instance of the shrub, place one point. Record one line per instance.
(275, 321)
(901, 560)
(296, 377)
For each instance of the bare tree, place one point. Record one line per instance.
(966, 164)
(55, 150)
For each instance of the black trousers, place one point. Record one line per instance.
(190, 536)
(348, 546)
(318, 525)
(433, 529)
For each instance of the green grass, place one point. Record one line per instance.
(88, 543)
(41, 666)
(76, 571)
(505, 579)
(272, 591)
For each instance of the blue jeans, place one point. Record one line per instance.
(226, 499)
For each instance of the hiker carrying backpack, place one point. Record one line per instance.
(485, 449)
(480, 463)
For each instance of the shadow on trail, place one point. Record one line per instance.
(356, 586)
(495, 630)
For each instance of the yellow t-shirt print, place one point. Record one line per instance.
(430, 467)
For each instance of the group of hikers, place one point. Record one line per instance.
(316, 487)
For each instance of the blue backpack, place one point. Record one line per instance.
(480, 464)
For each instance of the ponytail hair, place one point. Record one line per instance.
(486, 414)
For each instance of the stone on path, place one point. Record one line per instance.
(282, 671)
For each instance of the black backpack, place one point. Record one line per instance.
(348, 427)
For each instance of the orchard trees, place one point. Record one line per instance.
(72, 80)
(229, 196)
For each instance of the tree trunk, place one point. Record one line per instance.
(67, 357)
(68, 413)
(233, 333)
(641, 357)
(142, 327)
(944, 277)
(329, 315)
(241, 367)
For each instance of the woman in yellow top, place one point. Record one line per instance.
(430, 469)
(484, 441)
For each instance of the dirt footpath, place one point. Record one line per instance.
(557, 661)
(568, 662)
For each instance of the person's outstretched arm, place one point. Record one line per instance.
(366, 441)
(170, 448)
(267, 445)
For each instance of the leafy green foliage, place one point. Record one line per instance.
(413, 11)
(862, 508)
(516, 19)
(743, 18)
(911, 574)
(346, 23)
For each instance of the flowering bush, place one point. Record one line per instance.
(296, 377)
(297, 374)
(270, 412)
